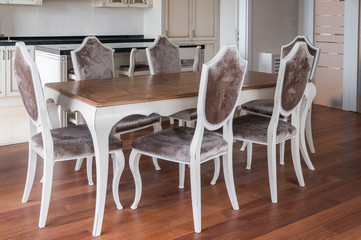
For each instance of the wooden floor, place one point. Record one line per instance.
(329, 207)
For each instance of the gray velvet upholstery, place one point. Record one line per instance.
(165, 57)
(254, 128)
(135, 121)
(94, 60)
(25, 85)
(71, 142)
(224, 85)
(174, 143)
(185, 115)
(296, 77)
(261, 106)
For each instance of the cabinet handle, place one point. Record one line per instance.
(4, 53)
(194, 33)
(166, 33)
(8, 54)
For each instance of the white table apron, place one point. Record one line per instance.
(100, 121)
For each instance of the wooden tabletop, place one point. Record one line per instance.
(119, 91)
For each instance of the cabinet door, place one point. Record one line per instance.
(26, 2)
(2, 71)
(11, 84)
(177, 22)
(205, 19)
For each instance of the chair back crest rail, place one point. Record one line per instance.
(315, 52)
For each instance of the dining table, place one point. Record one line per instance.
(103, 102)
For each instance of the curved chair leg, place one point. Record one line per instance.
(89, 170)
(282, 153)
(272, 171)
(309, 131)
(296, 160)
(157, 127)
(217, 169)
(244, 145)
(303, 147)
(228, 178)
(78, 164)
(30, 175)
(249, 154)
(196, 196)
(182, 172)
(46, 191)
(134, 168)
(312, 91)
(118, 157)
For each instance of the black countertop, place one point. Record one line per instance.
(48, 40)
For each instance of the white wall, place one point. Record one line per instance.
(228, 18)
(69, 17)
(274, 23)
(153, 20)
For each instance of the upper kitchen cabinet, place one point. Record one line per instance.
(25, 2)
(191, 20)
(124, 3)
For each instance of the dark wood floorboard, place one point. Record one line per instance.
(328, 207)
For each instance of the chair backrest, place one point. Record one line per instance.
(31, 91)
(163, 57)
(295, 69)
(315, 52)
(221, 83)
(92, 60)
(190, 57)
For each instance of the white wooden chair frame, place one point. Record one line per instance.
(89, 164)
(43, 122)
(195, 147)
(305, 115)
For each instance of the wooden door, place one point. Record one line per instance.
(329, 37)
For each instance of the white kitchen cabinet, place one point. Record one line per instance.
(8, 85)
(189, 20)
(24, 2)
(192, 22)
(2, 72)
(124, 3)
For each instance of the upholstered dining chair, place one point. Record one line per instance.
(219, 91)
(164, 57)
(53, 145)
(265, 107)
(93, 60)
(292, 80)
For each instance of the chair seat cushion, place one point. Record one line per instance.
(72, 142)
(137, 67)
(260, 106)
(185, 115)
(254, 128)
(174, 144)
(135, 121)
